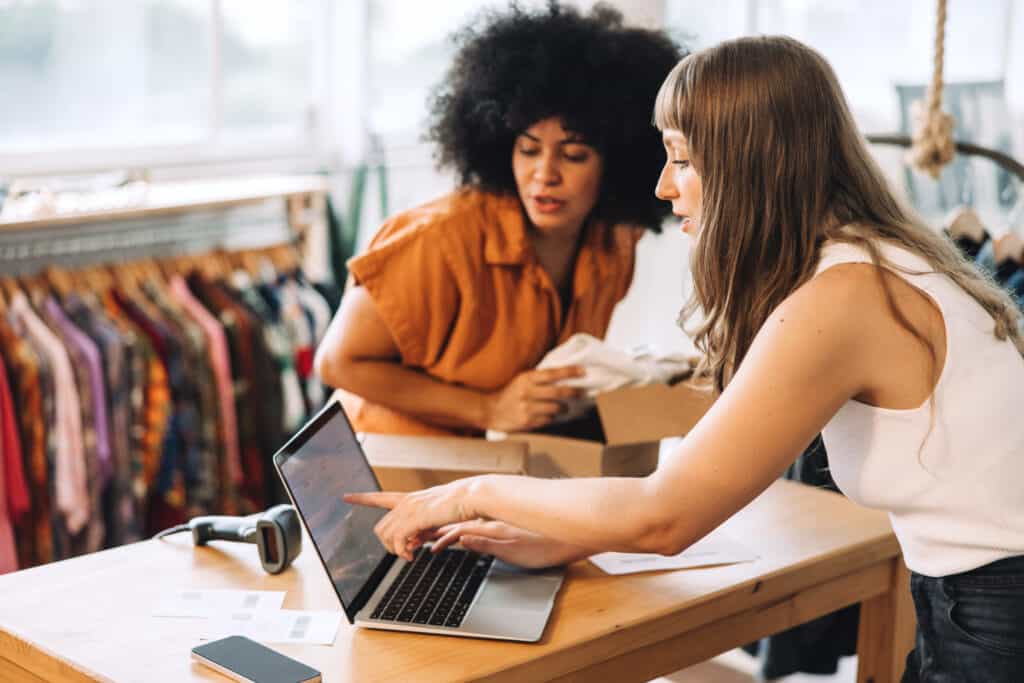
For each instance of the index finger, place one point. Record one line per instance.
(548, 375)
(376, 499)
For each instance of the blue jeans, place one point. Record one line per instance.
(970, 626)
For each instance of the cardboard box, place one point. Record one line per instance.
(633, 422)
(628, 427)
(410, 463)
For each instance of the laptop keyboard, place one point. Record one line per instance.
(435, 589)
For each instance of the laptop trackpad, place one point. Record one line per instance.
(520, 591)
(514, 603)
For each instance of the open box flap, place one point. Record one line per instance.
(444, 453)
(651, 412)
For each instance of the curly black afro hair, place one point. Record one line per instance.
(517, 67)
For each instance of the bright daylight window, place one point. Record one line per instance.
(882, 53)
(409, 51)
(872, 44)
(82, 75)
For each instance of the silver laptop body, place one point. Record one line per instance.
(324, 461)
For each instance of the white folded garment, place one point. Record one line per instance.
(608, 368)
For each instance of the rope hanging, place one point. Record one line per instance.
(933, 146)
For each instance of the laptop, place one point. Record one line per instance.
(454, 592)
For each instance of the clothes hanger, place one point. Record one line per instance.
(237, 259)
(152, 276)
(95, 279)
(58, 282)
(225, 262)
(80, 280)
(963, 222)
(166, 267)
(1008, 247)
(209, 266)
(124, 278)
(181, 265)
(10, 288)
(285, 258)
(35, 288)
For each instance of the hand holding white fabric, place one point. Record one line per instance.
(607, 369)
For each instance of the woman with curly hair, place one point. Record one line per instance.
(545, 116)
(829, 307)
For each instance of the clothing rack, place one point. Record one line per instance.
(157, 386)
(1005, 161)
(175, 219)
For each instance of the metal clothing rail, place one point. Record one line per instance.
(172, 219)
(1005, 161)
(75, 245)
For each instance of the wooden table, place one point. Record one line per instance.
(89, 618)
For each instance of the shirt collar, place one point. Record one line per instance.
(506, 243)
(505, 240)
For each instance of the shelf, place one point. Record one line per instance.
(180, 197)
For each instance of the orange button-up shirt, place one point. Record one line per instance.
(459, 286)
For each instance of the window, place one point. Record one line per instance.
(198, 76)
(267, 66)
(882, 53)
(409, 51)
(871, 44)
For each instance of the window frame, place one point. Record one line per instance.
(262, 147)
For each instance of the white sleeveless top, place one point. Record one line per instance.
(955, 496)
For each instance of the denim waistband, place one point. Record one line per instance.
(1008, 571)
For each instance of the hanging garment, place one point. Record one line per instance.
(151, 402)
(297, 346)
(51, 529)
(8, 551)
(964, 227)
(71, 488)
(1015, 283)
(970, 247)
(320, 312)
(91, 401)
(272, 374)
(167, 499)
(201, 476)
(120, 514)
(220, 361)
(151, 405)
(280, 342)
(341, 247)
(26, 374)
(16, 496)
(239, 330)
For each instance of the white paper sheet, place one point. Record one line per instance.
(711, 550)
(200, 603)
(275, 626)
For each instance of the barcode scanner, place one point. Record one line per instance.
(276, 532)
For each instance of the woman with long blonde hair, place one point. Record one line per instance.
(827, 306)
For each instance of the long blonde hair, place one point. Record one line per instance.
(785, 170)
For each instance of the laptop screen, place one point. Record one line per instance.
(318, 469)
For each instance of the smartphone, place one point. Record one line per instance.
(246, 660)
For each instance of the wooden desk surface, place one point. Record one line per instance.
(89, 618)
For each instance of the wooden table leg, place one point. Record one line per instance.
(887, 628)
